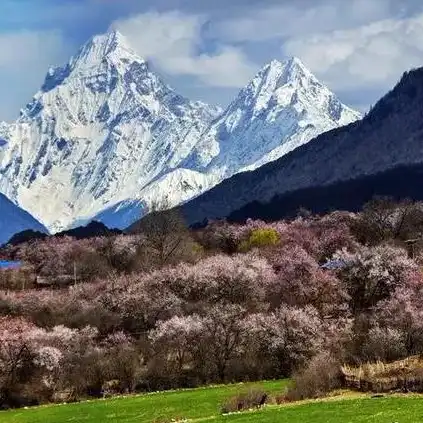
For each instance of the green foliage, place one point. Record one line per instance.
(260, 237)
(197, 249)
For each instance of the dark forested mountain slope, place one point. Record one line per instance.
(399, 183)
(92, 230)
(390, 135)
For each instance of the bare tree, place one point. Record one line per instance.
(164, 236)
(384, 219)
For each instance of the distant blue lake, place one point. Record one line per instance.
(5, 264)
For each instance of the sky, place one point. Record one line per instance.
(209, 49)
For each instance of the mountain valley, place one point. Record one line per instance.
(105, 137)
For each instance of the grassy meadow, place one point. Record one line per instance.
(155, 407)
(340, 410)
(203, 404)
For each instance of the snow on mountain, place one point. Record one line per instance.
(381, 155)
(13, 220)
(105, 136)
(283, 107)
(176, 187)
(99, 131)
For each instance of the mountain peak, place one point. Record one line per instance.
(283, 107)
(273, 64)
(111, 40)
(294, 71)
(277, 74)
(295, 65)
(292, 63)
(280, 77)
(111, 46)
(288, 88)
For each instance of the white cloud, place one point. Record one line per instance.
(292, 20)
(359, 48)
(173, 41)
(373, 55)
(24, 59)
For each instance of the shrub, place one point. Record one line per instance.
(254, 398)
(164, 239)
(404, 312)
(237, 279)
(177, 335)
(260, 237)
(321, 376)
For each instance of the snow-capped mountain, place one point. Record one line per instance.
(380, 155)
(105, 136)
(13, 220)
(283, 107)
(101, 129)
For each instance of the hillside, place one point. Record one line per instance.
(389, 136)
(13, 219)
(402, 182)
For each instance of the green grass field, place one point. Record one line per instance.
(204, 404)
(161, 407)
(359, 410)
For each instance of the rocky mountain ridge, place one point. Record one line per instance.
(105, 137)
